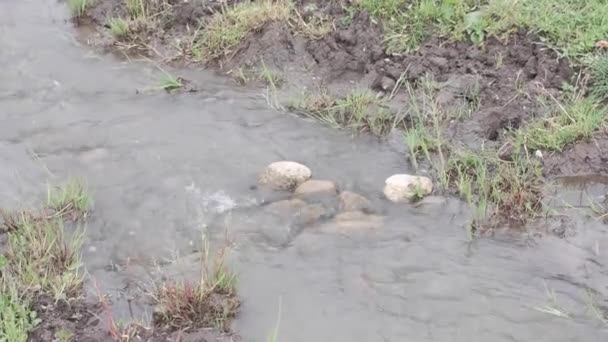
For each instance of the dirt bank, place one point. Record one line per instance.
(492, 88)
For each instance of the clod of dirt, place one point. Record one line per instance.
(584, 158)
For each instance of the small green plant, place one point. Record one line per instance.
(118, 27)
(16, 319)
(170, 83)
(69, 200)
(78, 7)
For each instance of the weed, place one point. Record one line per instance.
(576, 119)
(211, 302)
(169, 82)
(69, 200)
(227, 29)
(599, 77)
(78, 7)
(118, 27)
(16, 319)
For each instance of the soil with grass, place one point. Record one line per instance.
(494, 85)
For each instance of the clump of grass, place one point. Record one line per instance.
(599, 77)
(70, 200)
(573, 27)
(360, 110)
(503, 191)
(78, 7)
(576, 119)
(227, 29)
(211, 302)
(408, 23)
(118, 27)
(43, 258)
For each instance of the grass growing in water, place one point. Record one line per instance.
(71, 199)
(360, 110)
(211, 302)
(227, 29)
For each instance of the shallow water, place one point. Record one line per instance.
(161, 167)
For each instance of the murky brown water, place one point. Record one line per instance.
(163, 166)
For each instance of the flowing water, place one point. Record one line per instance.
(161, 167)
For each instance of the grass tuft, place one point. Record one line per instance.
(78, 7)
(575, 119)
(360, 110)
(43, 258)
(571, 26)
(227, 29)
(211, 302)
(599, 77)
(118, 27)
(70, 200)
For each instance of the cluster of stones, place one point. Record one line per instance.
(353, 210)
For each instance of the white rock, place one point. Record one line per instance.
(284, 175)
(313, 187)
(402, 187)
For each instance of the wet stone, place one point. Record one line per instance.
(316, 187)
(403, 187)
(350, 201)
(284, 175)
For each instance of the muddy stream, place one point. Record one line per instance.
(162, 167)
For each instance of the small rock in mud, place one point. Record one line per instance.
(383, 83)
(350, 201)
(316, 187)
(403, 187)
(505, 152)
(284, 175)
